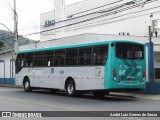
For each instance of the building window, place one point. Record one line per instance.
(156, 25)
(156, 28)
(157, 73)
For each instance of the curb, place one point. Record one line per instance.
(12, 86)
(139, 96)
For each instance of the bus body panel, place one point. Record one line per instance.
(92, 77)
(55, 77)
(129, 73)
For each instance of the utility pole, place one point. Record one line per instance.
(15, 37)
(15, 28)
(150, 58)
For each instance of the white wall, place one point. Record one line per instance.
(134, 21)
(7, 56)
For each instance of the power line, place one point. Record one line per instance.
(130, 7)
(90, 13)
(110, 13)
(6, 5)
(10, 5)
(103, 11)
(111, 19)
(97, 7)
(94, 8)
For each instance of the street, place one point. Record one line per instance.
(15, 99)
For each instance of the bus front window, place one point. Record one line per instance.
(129, 51)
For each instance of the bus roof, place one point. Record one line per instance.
(74, 46)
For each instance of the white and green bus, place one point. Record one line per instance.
(98, 67)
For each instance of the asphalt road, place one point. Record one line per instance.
(15, 99)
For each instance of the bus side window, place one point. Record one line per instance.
(30, 59)
(39, 59)
(59, 58)
(48, 58)
(71, 56)
(20, 62)
(85, 56)
(100, 55)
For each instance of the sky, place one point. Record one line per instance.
(28, 14)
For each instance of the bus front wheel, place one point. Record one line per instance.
(70, 88)
(26, 85)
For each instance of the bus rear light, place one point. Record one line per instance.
(114, 73)
(129, 81)
(144, 74)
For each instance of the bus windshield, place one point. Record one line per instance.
(129, 51)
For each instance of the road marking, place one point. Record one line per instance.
(90, 100)
(132, 118)
(55, 106)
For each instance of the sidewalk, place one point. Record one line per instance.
(13, 86)
(139, 95)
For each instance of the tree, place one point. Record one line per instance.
(1, 45)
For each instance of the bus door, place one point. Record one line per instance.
(30, 68)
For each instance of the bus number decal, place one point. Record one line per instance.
(98, 72)
(122, 72)
(61, 71)
(52, 70)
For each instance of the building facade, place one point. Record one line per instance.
(97, 20)
(125, 17)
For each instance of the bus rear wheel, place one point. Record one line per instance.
(70, 88)
(26, 85)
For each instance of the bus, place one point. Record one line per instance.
(98, 67)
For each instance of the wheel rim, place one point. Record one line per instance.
(26, 85)
(70, 88)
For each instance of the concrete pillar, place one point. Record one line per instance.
(59, 17)
(150, 59)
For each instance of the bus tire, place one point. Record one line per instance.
(71, 88)
(26, 85)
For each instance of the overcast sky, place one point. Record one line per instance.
(28, 14)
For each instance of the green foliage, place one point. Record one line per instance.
(1, 45)
(6, 40)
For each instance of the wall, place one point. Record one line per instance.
(7, 57)
(88, 17)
